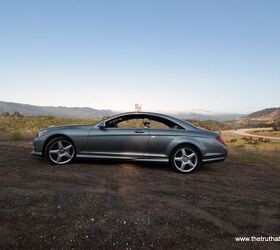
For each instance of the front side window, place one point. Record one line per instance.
(141, 121)
(125, 122)
(131, 123)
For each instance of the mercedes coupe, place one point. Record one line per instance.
(137, 136)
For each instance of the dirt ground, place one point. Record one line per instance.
(97, 204)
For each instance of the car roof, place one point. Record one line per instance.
(180, 122)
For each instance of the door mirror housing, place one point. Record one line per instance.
(102, 125)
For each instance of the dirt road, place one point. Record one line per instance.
(94, 204)
(246, 132)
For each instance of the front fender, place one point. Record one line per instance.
(78, 135)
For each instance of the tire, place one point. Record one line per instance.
(60, 151)
(185, 159)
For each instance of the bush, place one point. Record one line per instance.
(254, 142)
(16, 136)
(276, 125)
(233, 140)
(17, 114)
(5, 114)
(210, 124)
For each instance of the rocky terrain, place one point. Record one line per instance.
(120, 205)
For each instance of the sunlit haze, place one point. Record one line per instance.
(222, 56)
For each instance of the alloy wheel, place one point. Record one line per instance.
(61, 152)
(185, 159)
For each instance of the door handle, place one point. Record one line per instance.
(139, 131)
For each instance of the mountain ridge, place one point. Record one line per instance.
(262, 117)
(59, 111)
(87, 112)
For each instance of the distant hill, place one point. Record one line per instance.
(32, 110)
(264, 117)
(85, 112)
(209, 116)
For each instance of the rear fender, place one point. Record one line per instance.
(186, 140)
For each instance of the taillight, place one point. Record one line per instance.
(220, 140)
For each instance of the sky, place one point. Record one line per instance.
(220, 56)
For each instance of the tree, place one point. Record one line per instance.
(276, 123)
(17, 114)
(5, 114)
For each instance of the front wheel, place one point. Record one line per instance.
(184, 159)
(60, 151)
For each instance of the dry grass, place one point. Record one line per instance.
(18, 128)
(267, 133)
(252, 151)
(211, 124)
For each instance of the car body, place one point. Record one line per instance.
(138, 136)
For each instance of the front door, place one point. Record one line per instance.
(126, 143)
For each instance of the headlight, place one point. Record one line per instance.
(42, 132)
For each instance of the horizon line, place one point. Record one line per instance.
(203, 111)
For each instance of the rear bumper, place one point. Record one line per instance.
(33, 152)
(208, 158)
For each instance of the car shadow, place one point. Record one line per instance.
(159, 166)
(145, 165)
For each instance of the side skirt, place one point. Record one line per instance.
(216, 159)
(84, 156)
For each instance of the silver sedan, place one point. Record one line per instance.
(137, 136)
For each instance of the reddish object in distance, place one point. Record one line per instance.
(220, 139)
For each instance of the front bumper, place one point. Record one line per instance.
(38, 146)
(36, 153)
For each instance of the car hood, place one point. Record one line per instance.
(72, 126)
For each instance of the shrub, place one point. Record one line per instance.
(16, 136)
(276, 125)
(253, 142)
(17, 114)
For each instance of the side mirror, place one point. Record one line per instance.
(102, 125)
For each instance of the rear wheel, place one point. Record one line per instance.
(184, 159)
(60, 151)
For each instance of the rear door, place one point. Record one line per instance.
(160, 140)
(162, 133)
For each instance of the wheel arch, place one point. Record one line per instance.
(198, 146)
(190, 145)
(51, 137)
